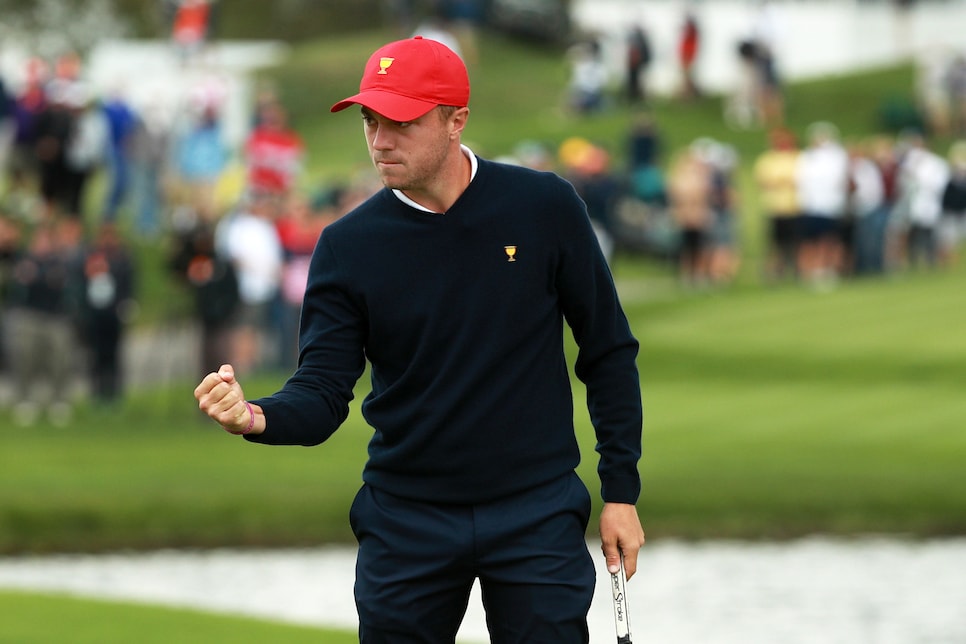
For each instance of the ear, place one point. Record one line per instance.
(457, 121)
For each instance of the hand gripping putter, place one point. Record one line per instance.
(621, 618)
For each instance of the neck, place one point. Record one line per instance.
(451, 183)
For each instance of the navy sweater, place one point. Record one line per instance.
(471, 397)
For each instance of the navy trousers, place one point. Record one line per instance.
(417, 563)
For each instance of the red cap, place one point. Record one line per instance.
(407, 78)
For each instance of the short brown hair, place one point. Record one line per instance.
(446, 111)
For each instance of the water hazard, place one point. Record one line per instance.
(876, 591)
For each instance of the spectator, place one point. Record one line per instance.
(213, 284)
(148, 152)
(643, 160)
(122, 123)
(953, 223)
(823, 186)
(41, 338)
(882, 152)
(200, 157)
(273, 153)
(11, 238)
(299, 226)
(588, 77)
(21, 195)
(190, 27)
(932, 89)
(689, 44)
(766, 34)
(742, 107)
(249, 239)
(594, 180)
(71, 238)
(108, 307)
(689, 197)
(637, 62)
(923, 176)
(723, 260)
(86, 148)
(870, 210)
(53, 128)
(6, 122)
(775, 173)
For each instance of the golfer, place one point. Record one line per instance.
(454, 283)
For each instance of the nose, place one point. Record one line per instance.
(381, 138)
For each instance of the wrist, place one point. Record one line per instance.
(251, 422)
(251, 418)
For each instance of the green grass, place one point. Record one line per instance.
(40, 619)
(170, 478)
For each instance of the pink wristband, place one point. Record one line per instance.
(251, 422)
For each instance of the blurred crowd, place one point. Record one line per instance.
(606, 68)
(66, 289)
(839, 208)
(830, 207)
(87, 178)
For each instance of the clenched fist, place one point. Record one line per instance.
(221, 397)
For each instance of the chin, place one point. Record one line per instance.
(388, 178)
(393, 182)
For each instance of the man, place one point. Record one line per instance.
(454, 282)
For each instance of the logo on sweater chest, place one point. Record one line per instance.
(511, 252)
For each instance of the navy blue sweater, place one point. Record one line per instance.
(471, 397)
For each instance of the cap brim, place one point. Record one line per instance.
(393, 106)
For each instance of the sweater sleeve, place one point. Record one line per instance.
(607, 351)
(314, 402)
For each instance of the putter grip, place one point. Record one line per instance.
(621, 620)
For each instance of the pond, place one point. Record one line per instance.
(815, 590)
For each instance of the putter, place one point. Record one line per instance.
(621, 618)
